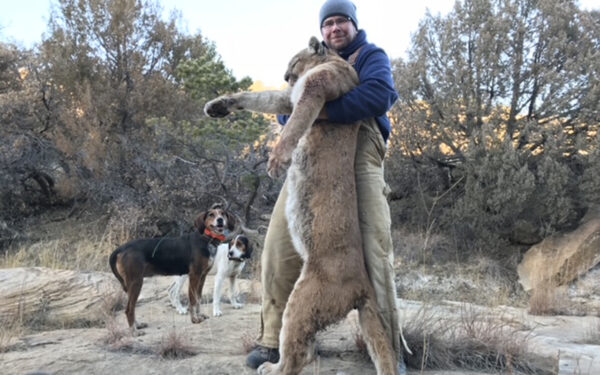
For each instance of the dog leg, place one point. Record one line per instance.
(217, 295)
(195, 294)
(133, 292)
(233, 292)
(378, 344)
(174, 294)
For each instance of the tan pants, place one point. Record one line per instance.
(281, 264)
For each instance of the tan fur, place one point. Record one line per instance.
(321, 209)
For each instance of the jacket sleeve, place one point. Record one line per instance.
(374, 95)
(282, 119)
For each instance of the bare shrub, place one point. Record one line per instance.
(116, 337)
(423, 334)
(175, 346)
(113, 302)
(480, 279)
(592, 334)
(468, 341)
(421, 247)
(123, 227)
(547, 299)
(127, 344)
(10, 330)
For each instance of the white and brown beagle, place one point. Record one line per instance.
(230, 260)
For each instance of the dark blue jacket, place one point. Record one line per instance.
(375, 94)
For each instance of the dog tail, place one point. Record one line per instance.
(112, 260)
(379, 346)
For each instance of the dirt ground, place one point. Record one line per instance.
(219, 344)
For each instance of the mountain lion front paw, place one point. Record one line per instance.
(279, 160)
(219, 107)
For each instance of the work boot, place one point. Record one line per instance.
(260, 355)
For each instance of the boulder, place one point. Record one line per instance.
(55, 295)
(562, 258)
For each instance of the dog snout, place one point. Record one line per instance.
(220, 222)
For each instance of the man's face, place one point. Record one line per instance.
(338, 32)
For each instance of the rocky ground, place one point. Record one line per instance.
(76, 334)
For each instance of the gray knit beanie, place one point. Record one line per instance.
(338, 8)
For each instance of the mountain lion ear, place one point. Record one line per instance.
(315, 46)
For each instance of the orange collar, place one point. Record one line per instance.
(211, 234)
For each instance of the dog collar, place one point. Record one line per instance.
(210, 234)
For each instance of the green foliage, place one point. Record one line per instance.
(507, 196)
(111, 114)
(498, 99)
(590, 157)
(122, 53)
(244, 128)
(207, 77)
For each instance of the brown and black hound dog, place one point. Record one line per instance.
(192, 254)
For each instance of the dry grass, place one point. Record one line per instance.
(175, 346)
(482, 281)
(113, 302)
(10, 330)
(430, 267)
(547, 299)
(116, 336)
(88, 253)
(468, 341)
(592, 335)
(72, 244)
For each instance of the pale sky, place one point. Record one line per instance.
(255, 38)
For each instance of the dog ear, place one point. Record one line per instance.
(231, 221)
(199, 222)
(248, 252)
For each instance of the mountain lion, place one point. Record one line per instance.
(321, 208)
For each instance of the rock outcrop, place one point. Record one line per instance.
(55, 295)
(560, 259)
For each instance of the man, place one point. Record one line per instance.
(370, 100)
